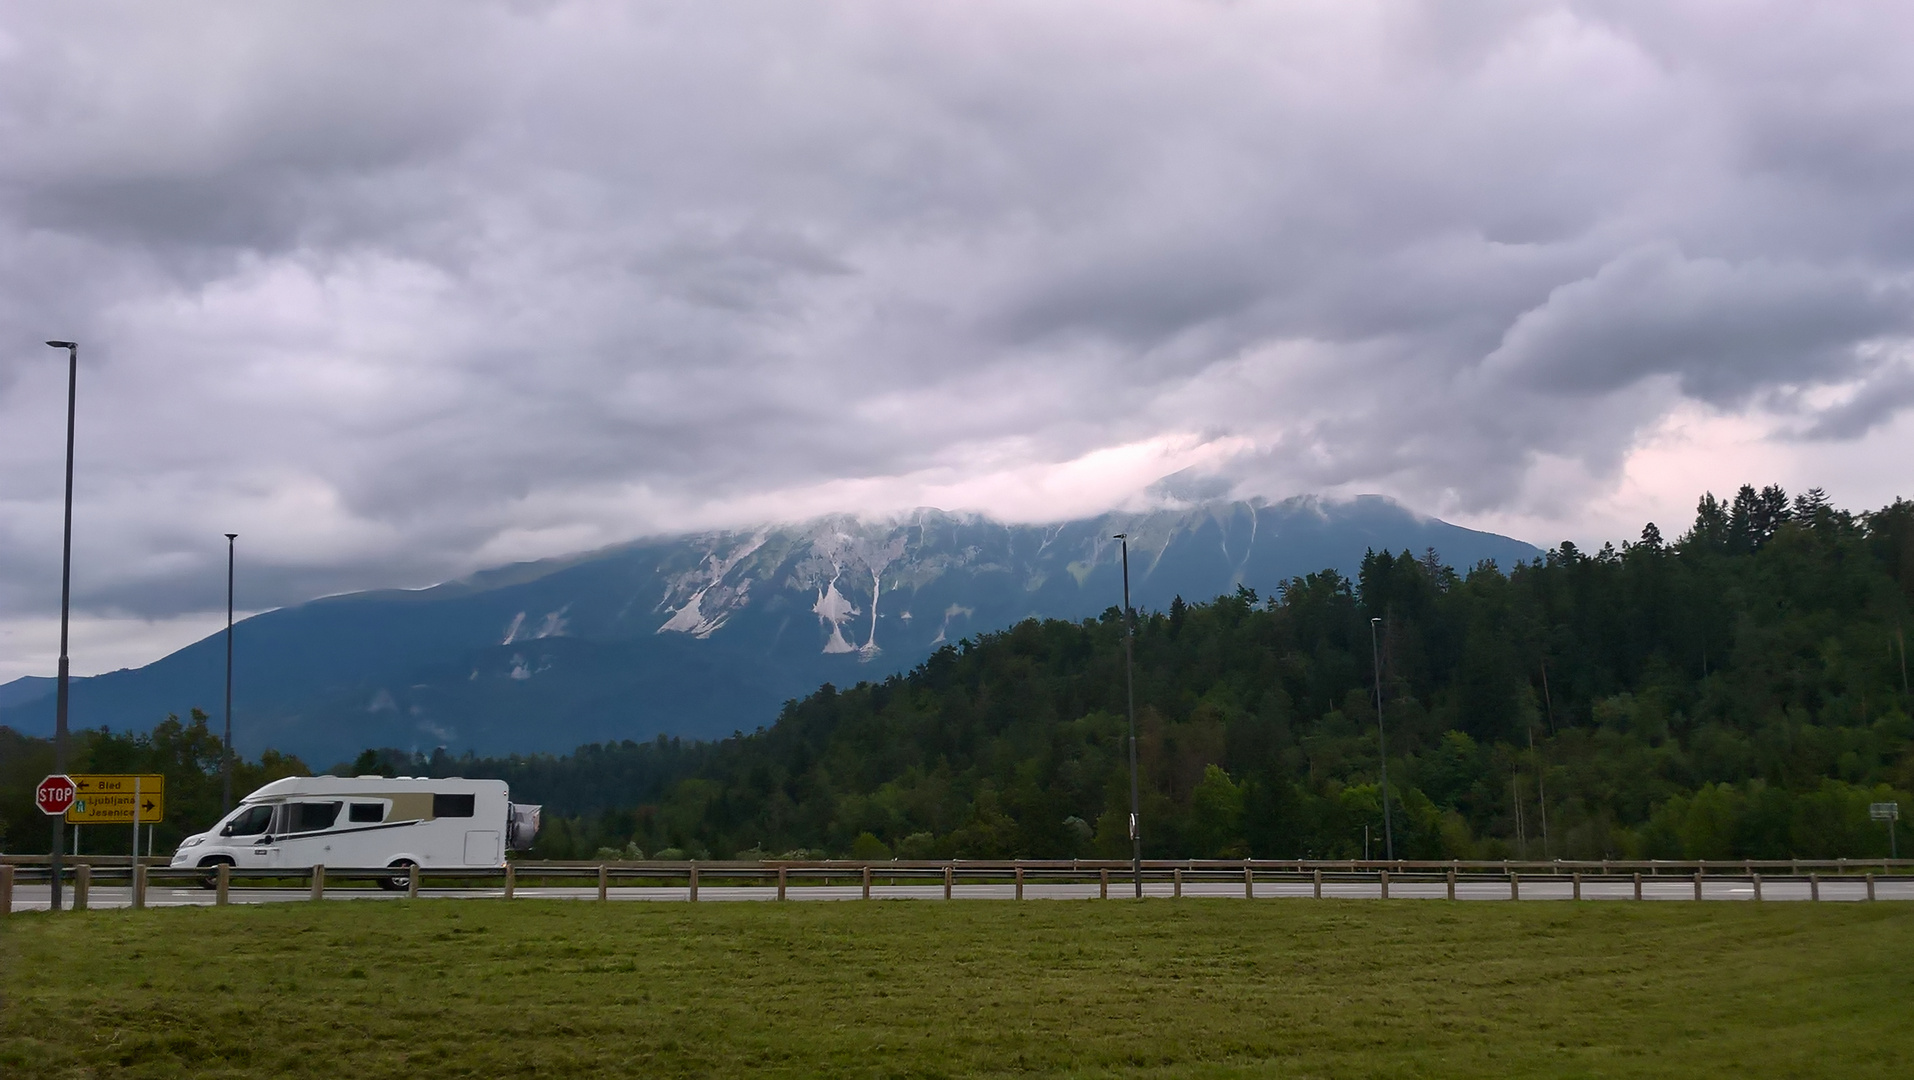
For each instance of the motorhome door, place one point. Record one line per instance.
(265, 848)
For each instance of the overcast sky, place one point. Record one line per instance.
(399, 291)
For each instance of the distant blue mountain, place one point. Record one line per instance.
(31, 688)
(707, 634)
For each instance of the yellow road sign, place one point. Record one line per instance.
(110, 799)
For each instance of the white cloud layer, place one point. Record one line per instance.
(399, 291)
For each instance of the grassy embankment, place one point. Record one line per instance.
(1195, 987)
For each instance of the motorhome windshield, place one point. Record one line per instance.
(250, 821)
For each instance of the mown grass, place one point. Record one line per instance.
(1160, 988)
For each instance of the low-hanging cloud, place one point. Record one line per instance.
(397, 291)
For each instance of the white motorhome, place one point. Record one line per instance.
(367, 821)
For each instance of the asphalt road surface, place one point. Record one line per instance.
(34, 897)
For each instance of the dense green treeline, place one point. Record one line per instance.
(1741, 691)
(186, 753)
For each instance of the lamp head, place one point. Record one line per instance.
(1121, 536)
(64, 344)
(230, 536)
(1374, 619)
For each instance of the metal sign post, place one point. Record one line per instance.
(1889, 812)
(54, 796)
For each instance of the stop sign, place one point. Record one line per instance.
(54, 794)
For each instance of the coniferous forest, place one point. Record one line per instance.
(1738, 691)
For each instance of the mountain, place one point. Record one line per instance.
(706, 634)
(30, 688)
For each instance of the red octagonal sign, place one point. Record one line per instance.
(54, 794)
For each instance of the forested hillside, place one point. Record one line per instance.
(1741, 691)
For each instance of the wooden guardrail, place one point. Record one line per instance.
(106, 871)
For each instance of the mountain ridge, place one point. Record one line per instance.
(710, 632)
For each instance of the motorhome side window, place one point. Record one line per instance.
(452, 805)
(251, 822)
(312, 816)
(366, 811)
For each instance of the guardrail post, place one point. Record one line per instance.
(411, 881)
(1319, 885)
(867, 883)
(1638, 884)
(1383, 878)
(1177, 876)
(1814, 886)
(6, 889)
(139, 886)
(1103, 884)
(1697, 884)
(691, 890)
(222, 883)
(1756, 878)
(1515, 885)
(950, 874)
(511, 880)
(319, 881)
(783, 874)
(1020, 883)
(1249, 881)
(1451, 877)
(1576, 878)
(1870, 886)
(82, 880)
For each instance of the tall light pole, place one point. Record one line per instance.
(66, 598)
(226, 748)
(1382, 743)
(1129, 693)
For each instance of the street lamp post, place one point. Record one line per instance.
(1382, 743)
(66, 598)
(1129, 693)
(226, 748)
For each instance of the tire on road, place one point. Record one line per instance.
(211, 865)
(398, 883)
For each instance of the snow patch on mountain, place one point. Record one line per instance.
(951, 612)
(834, 610)
(553, 624)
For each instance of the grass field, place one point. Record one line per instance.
(1185, 988)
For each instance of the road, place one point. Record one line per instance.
(34, 897)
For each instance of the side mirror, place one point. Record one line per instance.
(227, 831)
(266, 839)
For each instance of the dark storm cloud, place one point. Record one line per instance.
(400, 291)
(1723, 330)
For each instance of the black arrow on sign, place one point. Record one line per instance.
(147, 806)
